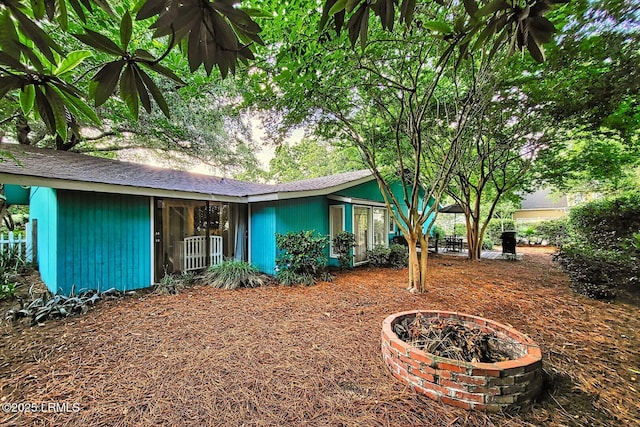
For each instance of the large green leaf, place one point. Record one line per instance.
(492, 7)
(71, 61)
(104, 83)
(77, 105)
(34, 33)
(126, 28)
(438, 26)
(99, 42)
(59, 112)
(9, 83)
(27, 99)
(129, 91)
(155, 92)
(8, 35)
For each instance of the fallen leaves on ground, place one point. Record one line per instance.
(311, 355)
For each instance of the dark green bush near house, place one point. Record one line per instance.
(398, 256)
(290, 278)
(379, 256)
(47, 306)
(439, 231)
(12, 263)
(603, 253)
(343, 243)
(495, 228)
(555, 232)
(233, 274)
(302, 256)
(487, 244)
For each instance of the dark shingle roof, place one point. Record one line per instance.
(34, 162)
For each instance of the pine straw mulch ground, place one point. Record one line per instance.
(311, 356)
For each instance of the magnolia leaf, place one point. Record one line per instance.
(471, 7)
(59, 112)
(78, 106)
(166, 72)
(9, 83)
(438, 26)
(536, 51)
(407, 9)
(337, 7)
(8, 35)
(27, 99)
(492, 8)
(104, 83)
(71, 61)
(99, 42)
(142, 90)
(75, 5)
(150, 8)
(126, 28)
(35, 34)
(11, 61)
(129, 91)
(155, 92)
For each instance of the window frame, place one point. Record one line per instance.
(332, 216)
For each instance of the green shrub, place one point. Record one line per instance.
(7, 290)
(495, 228)
(343, 243)
(487, 244)
(596, 273)
(289, 277)
(436, 230)
(608, 222)
(48, 306)
(302, 252)
(233, 274)
(555, 232)
(379, 256)
(603, 250)
(398, 256)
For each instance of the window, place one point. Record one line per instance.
(380, 227)
(336, 225)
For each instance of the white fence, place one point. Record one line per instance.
(11, 241)
(195, 252)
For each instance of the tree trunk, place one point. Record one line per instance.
(473, 240)
(415, 275)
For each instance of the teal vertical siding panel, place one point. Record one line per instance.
(368, 190)
(311, 213)
(43, 207)
(105, 241)
(263, 230)
(16, 194)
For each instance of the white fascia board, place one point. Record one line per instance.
(283, 195)
(62, 184)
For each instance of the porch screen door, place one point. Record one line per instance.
(361, 232)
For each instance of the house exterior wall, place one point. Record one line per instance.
(539, 214)
(43, 211)
(283, 216)
(262, 236)
(104, 241)
(16, 194)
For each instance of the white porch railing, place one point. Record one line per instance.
(10, 241)
(194, 256)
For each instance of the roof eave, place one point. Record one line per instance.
(284, 195)
(65, 184)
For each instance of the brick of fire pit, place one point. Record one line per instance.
(492, 387)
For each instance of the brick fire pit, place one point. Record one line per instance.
(493, 387)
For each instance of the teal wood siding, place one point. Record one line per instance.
(104, 241)
(262, 236)
(16, 194)
(284, 216)
(348, 224)
(43, 210)
(368, 191)
(310, 213)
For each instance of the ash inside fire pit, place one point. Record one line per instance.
(453, 339)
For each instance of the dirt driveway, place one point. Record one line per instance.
(311, 355)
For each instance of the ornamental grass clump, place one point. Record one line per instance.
(233, 274)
